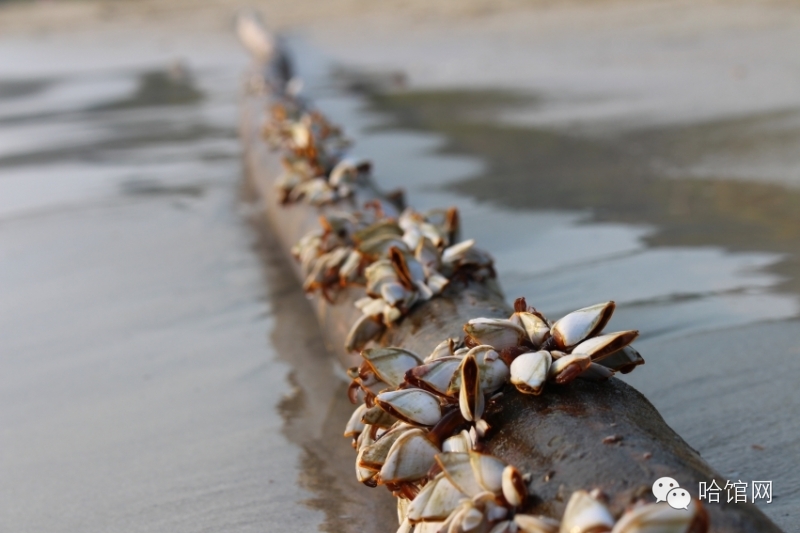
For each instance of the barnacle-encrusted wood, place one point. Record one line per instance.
(559, 437)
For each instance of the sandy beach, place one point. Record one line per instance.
(160, 369)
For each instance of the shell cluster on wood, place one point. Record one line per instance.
(419, 428)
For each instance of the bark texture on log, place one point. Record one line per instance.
(558, 436)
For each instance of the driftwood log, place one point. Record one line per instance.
(558, 437)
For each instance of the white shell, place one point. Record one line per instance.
(494, 373)
(529, 371)
(436, 283)
(438, 374)
(458, 443)
(657, 518)
(374, 455)
(585, 514)
(355, 426)
(578, 325)
(429, 527)
(488, 471)
(347, 170)
(364, 330)
(393, 293)
(496, 332)
(391, 364)
(453, 253)
(443, 349)
(402, 510)
(405, 525)
(603, 346)
(435, 501)
(536, 524)
(536, 328)
(375, 416)
(414, 406)
(458, 469)
(409, 458)
(349, 269)
(560, 364)
(514, 488)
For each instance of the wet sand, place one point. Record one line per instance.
(644, 154)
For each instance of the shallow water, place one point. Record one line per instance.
(139, 390)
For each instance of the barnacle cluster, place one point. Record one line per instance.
(418, 428)
(314, 167)
(401, 259)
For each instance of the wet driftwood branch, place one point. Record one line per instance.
(585, 435)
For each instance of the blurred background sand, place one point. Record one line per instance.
(159, 367)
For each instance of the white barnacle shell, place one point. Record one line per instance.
(405, 525)
(301, 134)
(390, 364)
(504, 526)
(413, 238)
(470, 395)
(436, 375)
(427, 254)
(374, 455)
(394, 293)
(409, 269)
(496, 332)
(471, 519)
(364, 475)
(535, 326)
(433, 233)
(535, 524)
(349, 269)
(529, 371)
(494, 372)
(414, 406)
(402, 510)
(605, 345)
(347, 171)
(379, 273)
(380, 228)
(661, 518)
(581, 324)
(355, 426)
(584, 514)
(435, 501)
(623, 360)
(374, 307)
(409, 458)
(364, 330)
(443, 349)
(458, 469)
(460, 442)
(514, 488)
(436, 283)
(375, 416)
(488, 471)
(381, 244)
(429, 527)
(580, 362)
(453, 253)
